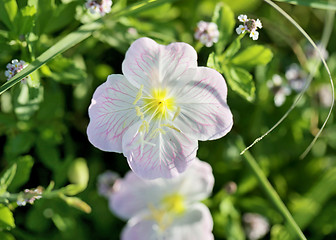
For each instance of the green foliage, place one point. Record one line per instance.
(43, 122)
(322, 4)
(6, 218)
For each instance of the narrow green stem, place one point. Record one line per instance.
(270, 191)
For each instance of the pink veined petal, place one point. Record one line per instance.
(197, 182)
(165, 155)
(152, 65)
(204, 113)
(111, 113)
(195, 224)
(133, 194)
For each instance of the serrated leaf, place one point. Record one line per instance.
(24, 166)
(8, 11)
(6, 178)
(240, 81)
(253, 56)
(6, 218)
(224, 18)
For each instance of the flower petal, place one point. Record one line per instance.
(133, 194)
(196, 183)
(111, 113)
(152, 65)
(201, 95)
(195, 224)
(163, 153)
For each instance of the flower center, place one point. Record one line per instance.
(159, 104)
(171, 206)
(251, 24)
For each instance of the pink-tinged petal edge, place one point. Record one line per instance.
(167, 155)
(153, 65)
(111, 113)
(201, 95)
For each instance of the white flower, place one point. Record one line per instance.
(296, 77)
(207, 33)
(250, 25)
(101, 7)
(158, 110)
(280, 90)
(14, 67)
(255, 225)
(165, 208)
(325, 95)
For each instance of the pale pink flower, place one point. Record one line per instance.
(207, 33)
(101, 7)
(165, 208)
(158, 110)
(249, 25)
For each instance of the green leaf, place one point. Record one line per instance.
(8, 11)
(240, 81)
(48, 153)
(6, 236)
(61, 16)
(66, 71)
(321, 4)
(6, 218)
(307, 207)
(7, 178)
(253, 56)
(25, 19)
(24, 166)
(234, 47)
(26, 100)
(18, 144)
(224, 18)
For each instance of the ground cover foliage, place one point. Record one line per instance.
(43, 122)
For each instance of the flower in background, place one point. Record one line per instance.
(280, 90)
(207, 33)
(99, 6)
(165, 208)
(14, 67)
(158, 110)
(255, 225)
(311, 52)
(324, 95)
(249, 25)
(106, 182)
(296, 77)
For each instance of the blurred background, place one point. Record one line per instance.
(43, 130)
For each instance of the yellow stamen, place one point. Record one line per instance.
(178, 110)
(139, 95)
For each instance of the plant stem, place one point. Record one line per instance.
(270, 191)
